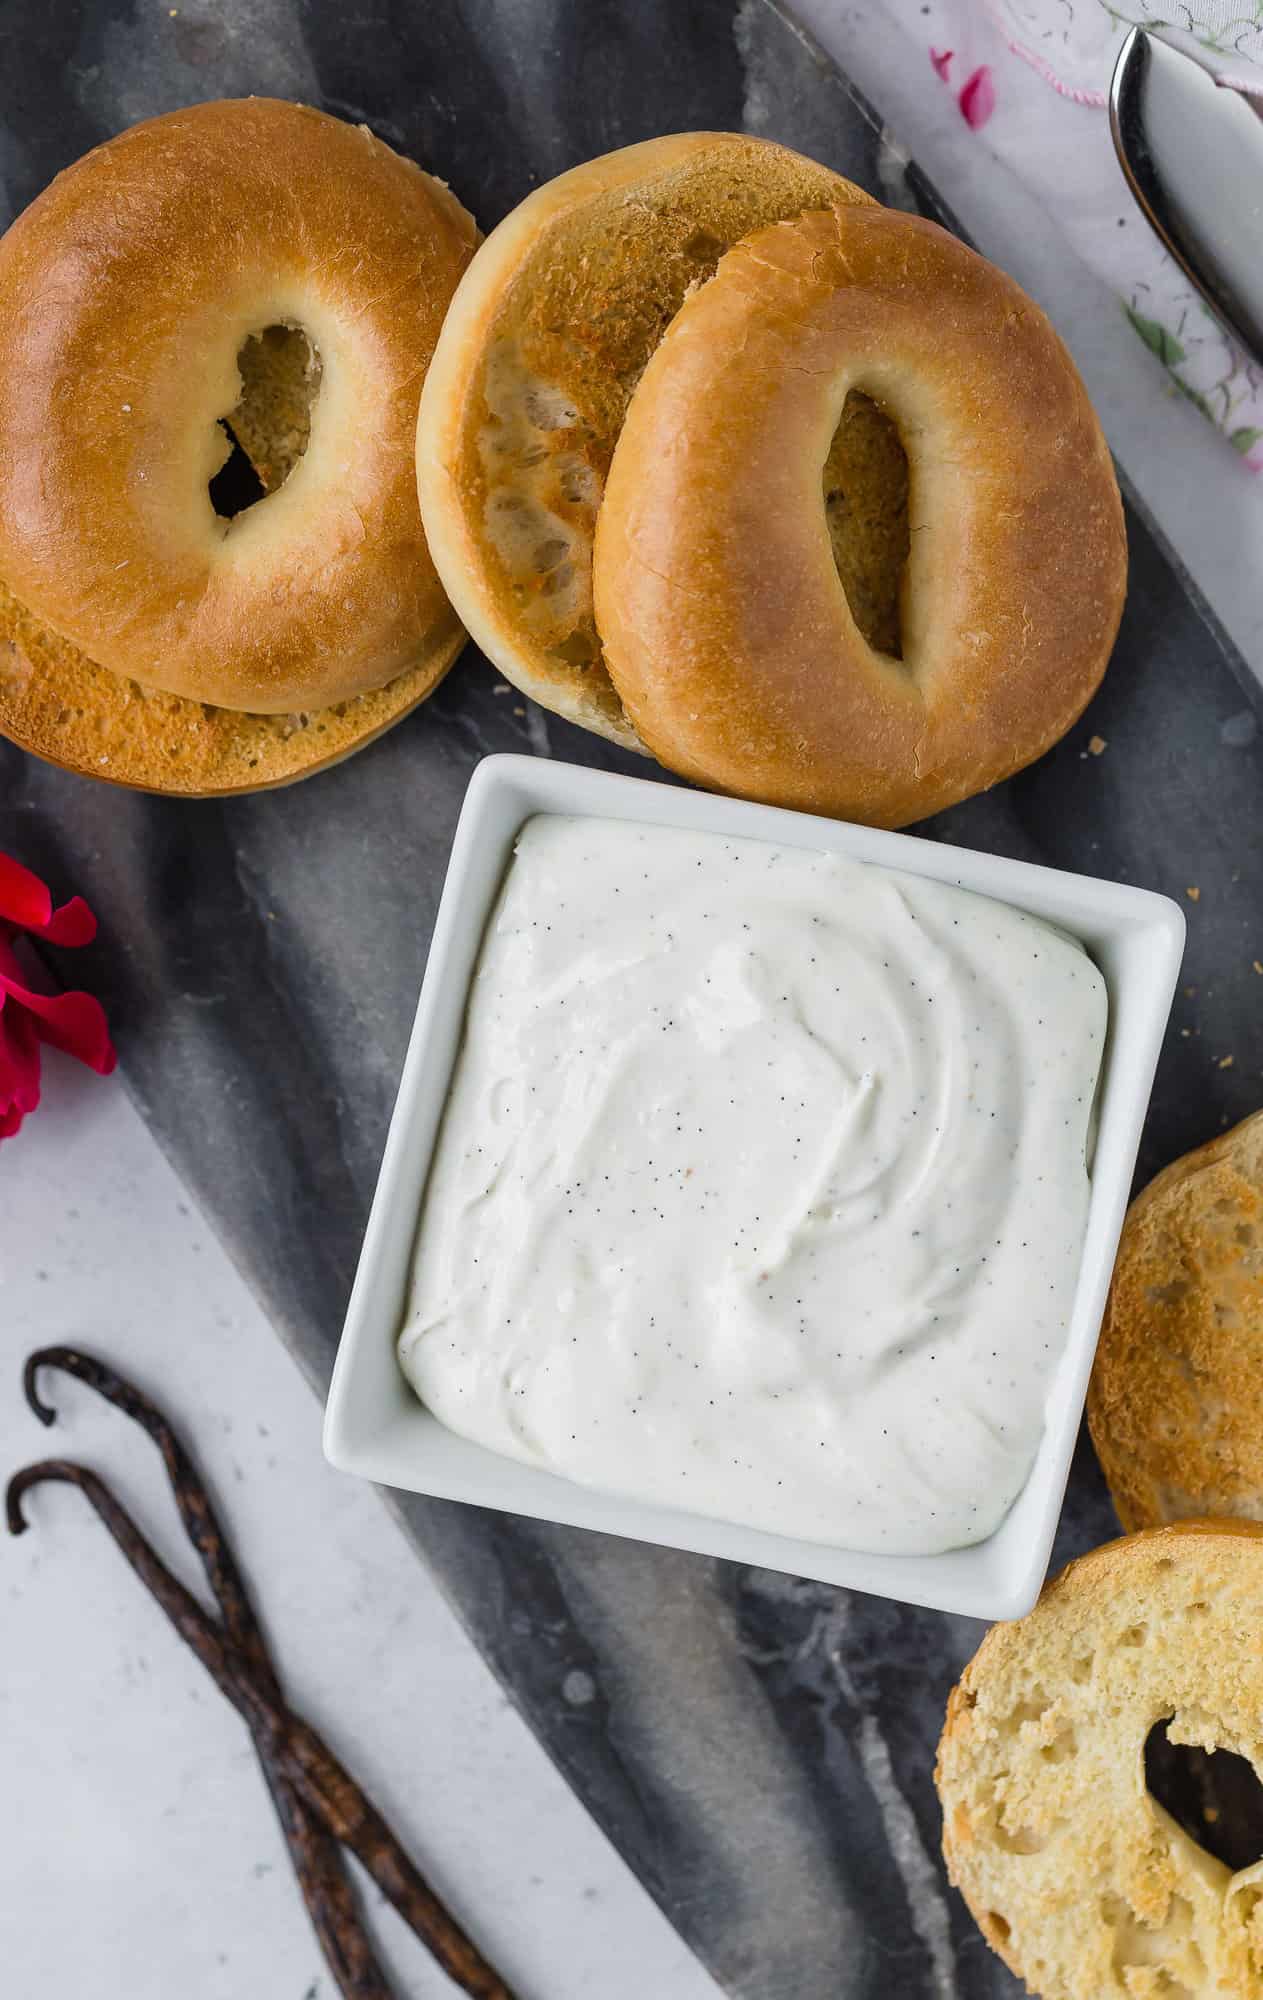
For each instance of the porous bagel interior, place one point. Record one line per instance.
(1077, 1876)
(1174, 1406)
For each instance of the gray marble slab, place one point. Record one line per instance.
(758, 1747)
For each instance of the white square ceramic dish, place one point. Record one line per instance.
(374, 1424)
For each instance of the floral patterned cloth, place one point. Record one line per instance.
(1047, 66)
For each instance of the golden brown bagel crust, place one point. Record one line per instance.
(546, 339)
(1174, 1406)
(62, 706)
(127, 290)
(726, 629)
(1081, 1882)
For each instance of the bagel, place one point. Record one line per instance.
(1077, 1877)
(134, 293)
(725, 621)
(545, 341)
(1174, 1405)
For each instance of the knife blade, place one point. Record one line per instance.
(1190, 142)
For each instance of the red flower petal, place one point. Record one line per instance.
(72, 924)
(72, 1022)
(977, 99)
(19, 1060)
(24, 900)
(942, 61)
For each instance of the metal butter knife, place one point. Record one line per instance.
(1188, 129)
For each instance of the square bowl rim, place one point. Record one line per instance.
(1090, 908)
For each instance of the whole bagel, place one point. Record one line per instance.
(1083, 1883)
(127, 291)
(726, 627)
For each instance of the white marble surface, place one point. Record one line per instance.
(139, 1855)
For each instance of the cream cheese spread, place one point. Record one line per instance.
(761, 1187)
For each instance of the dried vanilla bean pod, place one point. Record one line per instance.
(191, 1497)
(292, 1747)
(327, 1891)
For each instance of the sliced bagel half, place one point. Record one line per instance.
(544, 342)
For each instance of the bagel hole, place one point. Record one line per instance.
(866, 509)
(236, 485)
(270, 427)
(1214, 1795)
